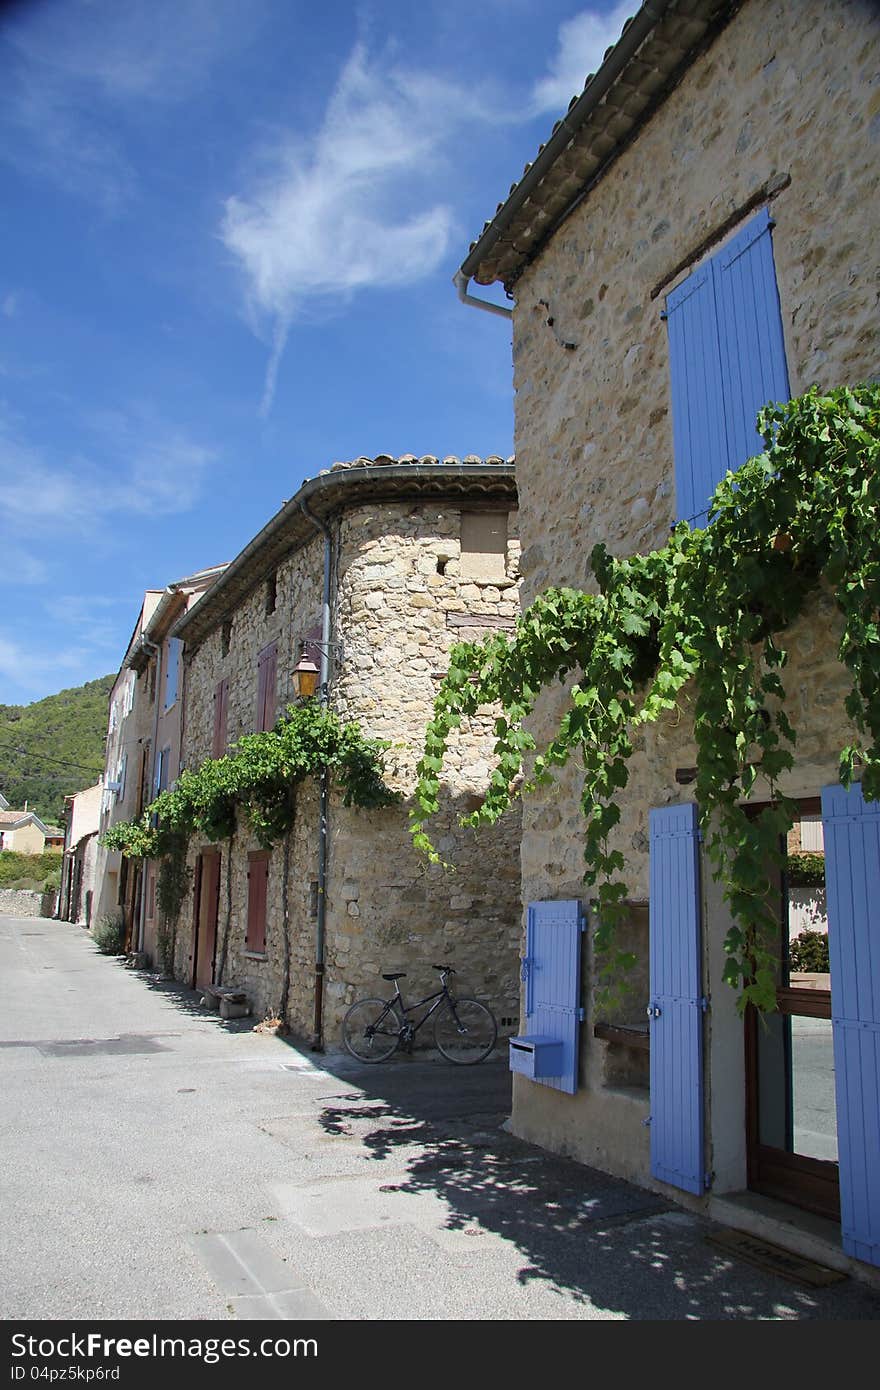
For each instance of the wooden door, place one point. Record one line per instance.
(206, 915)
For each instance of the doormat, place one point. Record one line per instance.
(775, 1260)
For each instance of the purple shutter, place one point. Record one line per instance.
(258, 881)
(552, 971)
(699, 442)
(221, 698)
(750, 335)
(852, 880)
(267, 663)
(676, 1004)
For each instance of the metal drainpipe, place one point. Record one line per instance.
(142, 916)
(320, 925)
(461, 282)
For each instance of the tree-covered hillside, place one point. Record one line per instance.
(53, 747)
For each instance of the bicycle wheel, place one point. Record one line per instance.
(371, 1030)
(465, 1031)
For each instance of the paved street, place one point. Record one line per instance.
(159, 1163)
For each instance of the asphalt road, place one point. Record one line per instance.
(158, 1163)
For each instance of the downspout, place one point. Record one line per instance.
(320, 925)
(157, 653)
(461, 282)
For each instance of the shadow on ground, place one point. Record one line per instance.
(587, 1236)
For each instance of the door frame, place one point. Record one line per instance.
(812, 1183)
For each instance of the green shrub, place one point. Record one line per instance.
(52, 882)
(806, 870)
(16, 867)
(109, 934)
(809, 953)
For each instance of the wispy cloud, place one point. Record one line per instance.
(25, 666)
(156, 50)
(72, 69)
(161, 475)
(9, 305)
(581, 48)
(350, 211)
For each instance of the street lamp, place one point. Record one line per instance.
(306, 677)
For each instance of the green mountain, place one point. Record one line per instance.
(53, 747)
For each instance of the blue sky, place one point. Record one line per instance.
(229, 230)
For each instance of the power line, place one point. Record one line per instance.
(44, 758)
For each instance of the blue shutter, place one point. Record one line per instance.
(171, 673)
(852, 879)
(677, 1003)
(697, 399)
(552, 971)
(750, 334)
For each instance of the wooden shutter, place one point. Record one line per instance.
(852, 880)
(697, 395)
(552, 972)
(221, 700)
(676, 1004)
(258, 883)
(266, 681)
(727, 360)
(750, 335)
(173, 660)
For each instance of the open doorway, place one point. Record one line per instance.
(791, 1115)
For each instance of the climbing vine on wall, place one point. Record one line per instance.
(710, 607)
(258, 780)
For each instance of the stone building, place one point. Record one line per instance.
(381, 565)
(142, 753)
(698, 237)
(82, 814)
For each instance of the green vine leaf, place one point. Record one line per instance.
(709, 608)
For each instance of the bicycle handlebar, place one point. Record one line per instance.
(444, 969)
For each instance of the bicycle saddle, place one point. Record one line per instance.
(394, 977)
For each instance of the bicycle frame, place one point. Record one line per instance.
(400, 1010)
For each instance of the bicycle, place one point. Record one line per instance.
(464, 1030)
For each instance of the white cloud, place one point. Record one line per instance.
(161, 476)
(29, 668)
(583, 41)
(160, 50)
(72, 68)
(356, 209)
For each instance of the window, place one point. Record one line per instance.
(258, 883)
(727, 358)
(162, 762)
(173, 659)
(484, 545)
(266, 672)
(225, 637)
(221, 701)
(271, 593)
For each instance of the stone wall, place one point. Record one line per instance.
(19, 902)
(786, 92)
(400, 601)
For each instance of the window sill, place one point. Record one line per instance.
(255, 955)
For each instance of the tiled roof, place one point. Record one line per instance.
(426, 460)
(656, 47)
